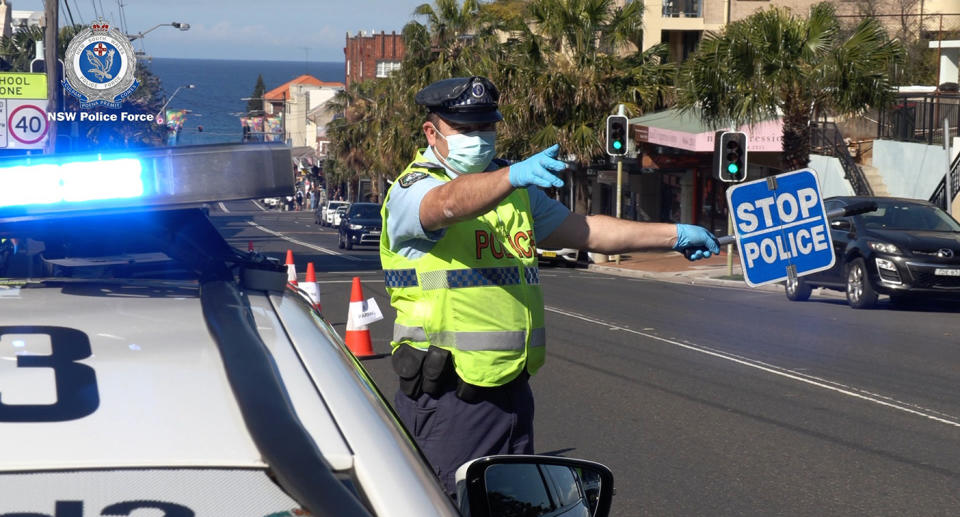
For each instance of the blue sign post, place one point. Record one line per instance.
(780, 223)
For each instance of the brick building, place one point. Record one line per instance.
(372, 55)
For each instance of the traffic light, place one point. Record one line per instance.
(731, 150)
(617, 137)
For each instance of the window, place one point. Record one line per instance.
(385, 68)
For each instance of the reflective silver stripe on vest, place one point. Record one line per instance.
(476, 340)
(457, 278)
(404, 333)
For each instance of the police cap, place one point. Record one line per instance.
(462, 100)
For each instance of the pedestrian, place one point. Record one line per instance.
(299, 200)
(459, 256)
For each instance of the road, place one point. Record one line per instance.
(709, 400)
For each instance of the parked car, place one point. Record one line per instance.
(338, 214)
(270, 202)
(361, 224)
(150, 368)
(566, 256)
(328, 211)
(906, 248)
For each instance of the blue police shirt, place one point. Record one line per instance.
(410, 240)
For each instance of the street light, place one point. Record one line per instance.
(163, 108)
(177, 25)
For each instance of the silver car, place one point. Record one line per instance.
(148, 365)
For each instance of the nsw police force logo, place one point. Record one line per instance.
(99, 66)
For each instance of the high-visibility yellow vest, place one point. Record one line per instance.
(476, 293)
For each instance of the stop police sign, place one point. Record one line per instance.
(780, 227)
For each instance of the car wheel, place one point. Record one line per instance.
(797, 290)
(860, 294)
(340, 240)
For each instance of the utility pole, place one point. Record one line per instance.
(51, 15)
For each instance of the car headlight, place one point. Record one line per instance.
(884, 247)
(356, 226)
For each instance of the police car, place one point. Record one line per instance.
(147, 367)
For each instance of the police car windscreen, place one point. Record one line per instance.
(51, 249)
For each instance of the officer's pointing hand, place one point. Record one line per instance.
(696, 240)
(538, 170)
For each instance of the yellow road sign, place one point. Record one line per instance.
(23, 86)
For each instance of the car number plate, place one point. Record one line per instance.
(373, 232)
(549, 254)
(946, 272)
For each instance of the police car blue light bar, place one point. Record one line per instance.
(152, 178)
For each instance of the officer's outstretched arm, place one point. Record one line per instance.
(470, 195)
(605, 234)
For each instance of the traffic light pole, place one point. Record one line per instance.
(620, 111)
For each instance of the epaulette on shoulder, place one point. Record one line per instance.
(427, 165)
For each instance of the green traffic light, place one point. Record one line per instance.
(733, 168)
(617, 145)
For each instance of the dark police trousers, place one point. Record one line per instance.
(451, 431)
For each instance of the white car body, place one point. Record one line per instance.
(567, 256)
(330, 212)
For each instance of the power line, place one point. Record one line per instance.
(69, 12)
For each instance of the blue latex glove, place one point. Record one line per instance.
(538, 170)
(695, 242)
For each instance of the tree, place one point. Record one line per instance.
(255, 103)
(571, 63)
(774, 63)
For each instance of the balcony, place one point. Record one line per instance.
(683, 8)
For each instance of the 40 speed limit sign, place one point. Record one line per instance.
(24, 123)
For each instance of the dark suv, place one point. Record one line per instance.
(904, 248)
(360, 225)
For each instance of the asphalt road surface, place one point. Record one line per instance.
(708, 400)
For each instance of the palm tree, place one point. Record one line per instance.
(775, 64)
(571, 64)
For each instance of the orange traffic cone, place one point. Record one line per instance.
(312, 287)
(358, 336)
(291, 268)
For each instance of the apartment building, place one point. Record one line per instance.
(372, 55)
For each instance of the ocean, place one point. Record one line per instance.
(215, 102)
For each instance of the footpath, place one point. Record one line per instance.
(670, 266)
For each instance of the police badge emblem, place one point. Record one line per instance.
(99, 66)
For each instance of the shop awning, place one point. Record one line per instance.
(686, 131)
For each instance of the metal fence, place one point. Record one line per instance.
(919, 117)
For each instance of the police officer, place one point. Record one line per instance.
(459, 257)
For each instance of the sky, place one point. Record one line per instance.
(281, 30)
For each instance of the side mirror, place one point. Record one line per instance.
(841, 224)
(530, 486)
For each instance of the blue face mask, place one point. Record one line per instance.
(470, 152)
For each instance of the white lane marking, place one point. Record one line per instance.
(261, 207)
(849, 391)
(321, 249)
(223, 207)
